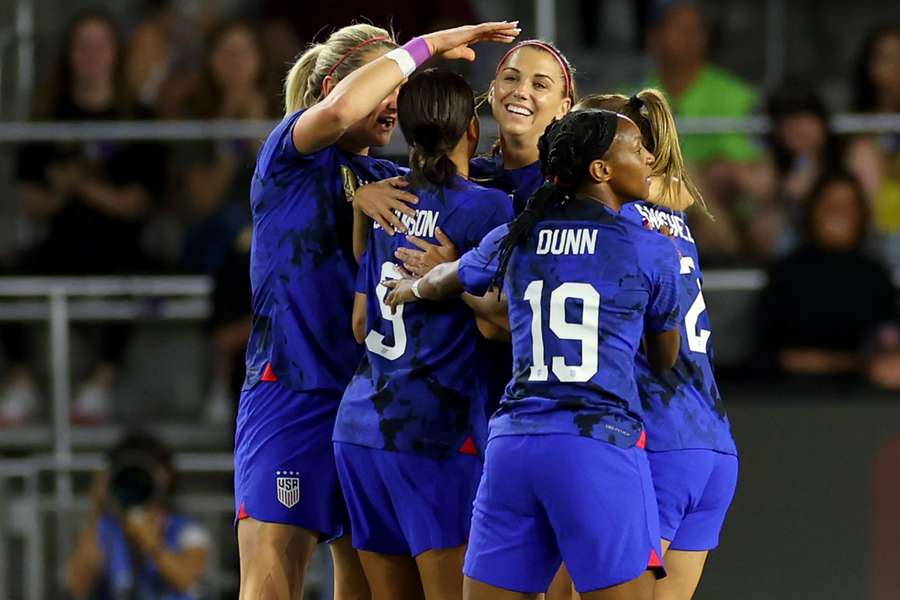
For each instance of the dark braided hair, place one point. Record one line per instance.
(435, 108)
(566, 149)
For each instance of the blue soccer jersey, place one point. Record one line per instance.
(420, 388)
(519, 183)
(302, 270)
(582, 292)
(682, 408)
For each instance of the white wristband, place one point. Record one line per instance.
(403, 59)
(415, 288)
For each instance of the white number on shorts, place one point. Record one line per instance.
(586, 332)
(375, 340)
(696, 338)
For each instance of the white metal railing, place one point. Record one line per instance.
(35, 578)
(56, 295)
(17, 132)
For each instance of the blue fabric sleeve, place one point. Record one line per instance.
(478, 266)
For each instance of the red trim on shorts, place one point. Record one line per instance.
(242, 513)
(469, 447)
(653, 562)
(268, 374)
(642, 441)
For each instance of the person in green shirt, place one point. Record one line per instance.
(733, 171)
(678, 40)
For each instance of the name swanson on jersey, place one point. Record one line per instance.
(421, 225)
(657, 218)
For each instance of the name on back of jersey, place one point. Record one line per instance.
(656, 219)
(566, 241)
(421, 225)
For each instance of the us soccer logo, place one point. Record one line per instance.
(349, 182)
(287, 487)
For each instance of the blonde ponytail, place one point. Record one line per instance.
(343, 52)
(668, 161)
(298, 93)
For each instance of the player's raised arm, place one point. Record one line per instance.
(349, 100)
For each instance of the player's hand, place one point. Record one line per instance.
(454, 43)
(428, 256)
(144, 529)
(401, 292)
(383, 201)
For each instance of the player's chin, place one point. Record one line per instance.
(380, 137)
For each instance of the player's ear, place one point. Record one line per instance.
(473, 131)
(600, 171)
(328, 84)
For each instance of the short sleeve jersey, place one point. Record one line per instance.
(520, 183)
(420, 388)
(683, 408)
(302, 269)
(582, 291)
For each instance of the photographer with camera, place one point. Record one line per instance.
(134, 545)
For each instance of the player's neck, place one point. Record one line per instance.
(601, 194)
(460, 156)
(518, 151)
(348, 144)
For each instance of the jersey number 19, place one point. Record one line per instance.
(586, 332)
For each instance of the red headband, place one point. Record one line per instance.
(563, 65)
(346, 55)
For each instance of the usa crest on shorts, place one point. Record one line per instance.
(287, 487)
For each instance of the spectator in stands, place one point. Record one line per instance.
(234, 85)
(877, 157)
(291, 25)
(825, 300)
(91, 198)
(164, 52)
(678, 40)
(802, 149)
(134, 543)
(729, 167)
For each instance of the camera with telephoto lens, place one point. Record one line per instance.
(137, 468)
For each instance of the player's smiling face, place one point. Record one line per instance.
(528, 92)
(378, 126)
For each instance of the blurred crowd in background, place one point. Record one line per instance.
(820, 212)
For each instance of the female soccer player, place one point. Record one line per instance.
(340, 99)
(692, 455)
(566, 477)
(411, 427)
(534, 84)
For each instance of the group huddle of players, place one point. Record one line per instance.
(478, 377)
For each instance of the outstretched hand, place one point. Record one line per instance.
(428, 256)
(401, 291)
(383, 202)
(454, 43)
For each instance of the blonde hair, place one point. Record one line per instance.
(342, 53)
(653, 116)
